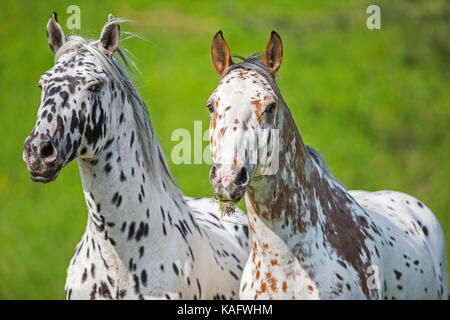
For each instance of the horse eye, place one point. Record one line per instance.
(270, 108)
(210, 108)
(95, 87)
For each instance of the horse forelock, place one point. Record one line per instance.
(253, 63)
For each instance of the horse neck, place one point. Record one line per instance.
(127, 204)
(289, 203)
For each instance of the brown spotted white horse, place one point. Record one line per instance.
(311, 238)
(143, 238)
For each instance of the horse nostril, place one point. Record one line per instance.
(243, 177)
(212, 174)
(48, 152)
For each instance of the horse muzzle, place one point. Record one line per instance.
(42, 160)
(229, 182)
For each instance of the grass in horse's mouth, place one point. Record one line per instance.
(226, 207)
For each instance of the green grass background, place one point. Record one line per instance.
(375, 103)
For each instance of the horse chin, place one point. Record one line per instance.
(45, 178)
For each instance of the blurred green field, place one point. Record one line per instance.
(375, 103)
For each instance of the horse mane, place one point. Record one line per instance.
(254, 63)
(315, 155)
(153, 155)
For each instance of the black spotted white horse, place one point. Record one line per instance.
(311, 238)
(143, 239)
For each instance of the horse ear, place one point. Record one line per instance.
(55, 34)
(274, 53)
(110, 35)
(220, 53)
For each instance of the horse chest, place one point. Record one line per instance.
(95, 273)
(279, 278)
